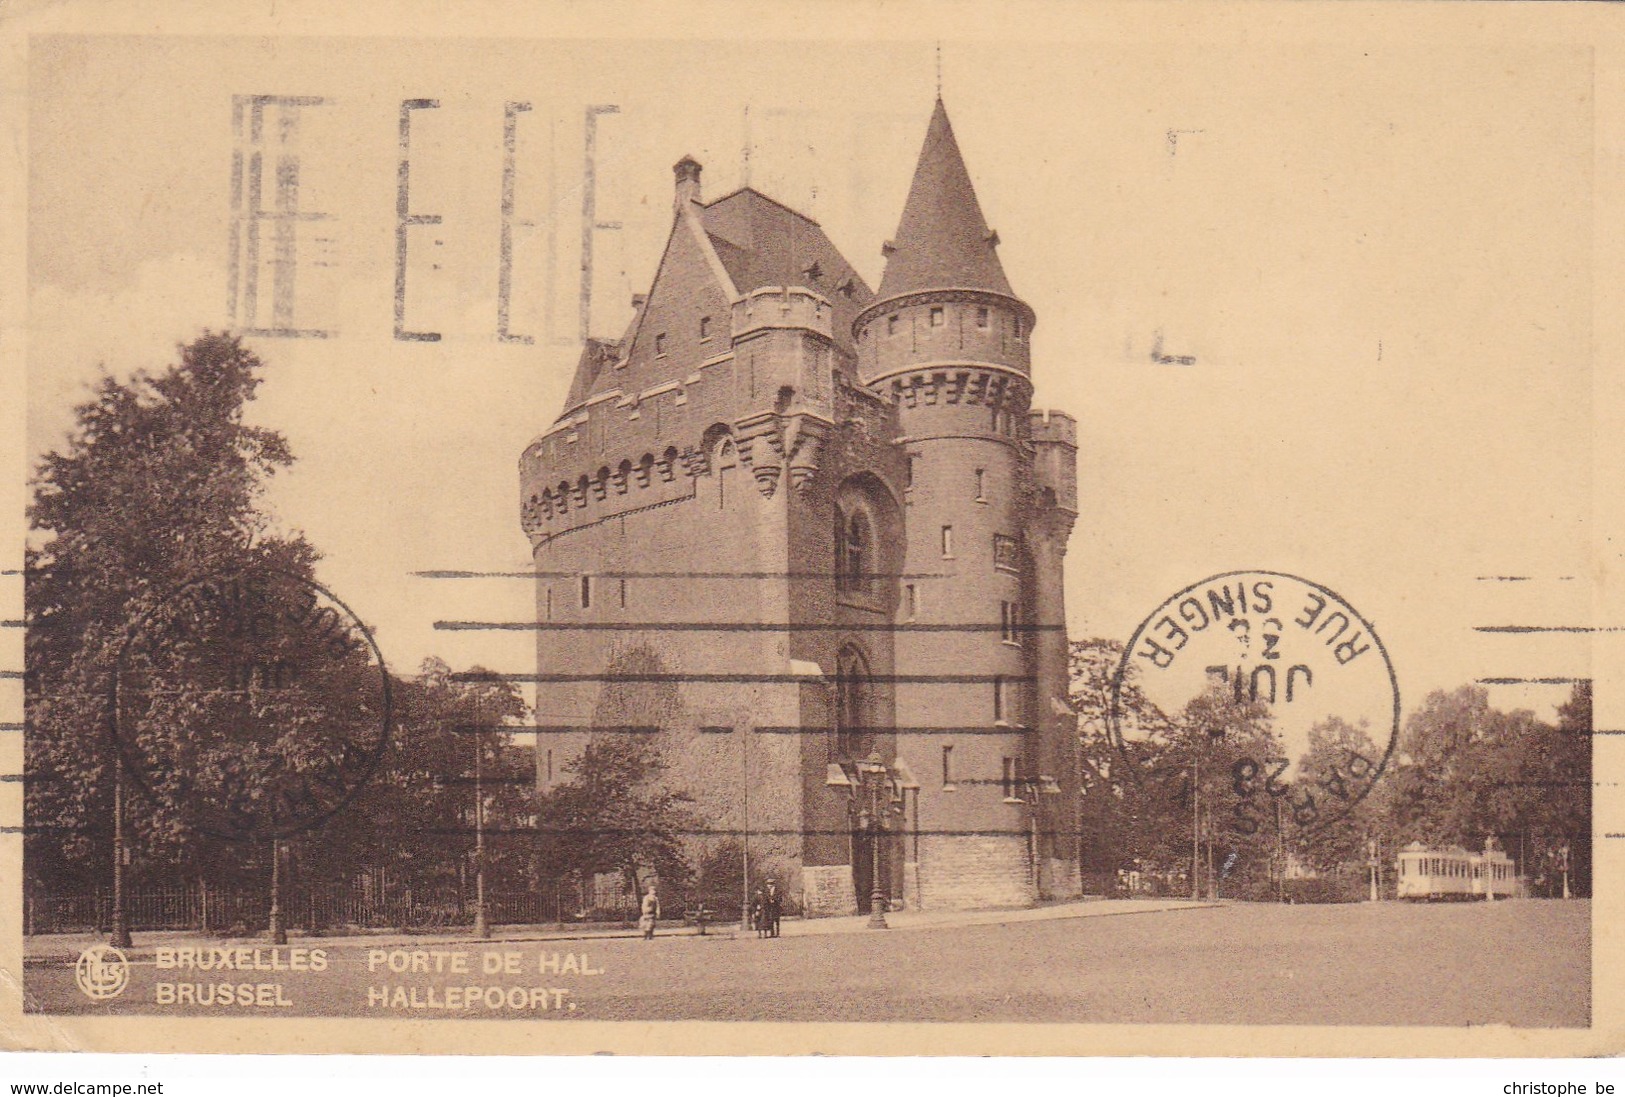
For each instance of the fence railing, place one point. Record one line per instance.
(323, 909)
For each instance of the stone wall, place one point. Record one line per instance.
(827, 890)
(971, 872)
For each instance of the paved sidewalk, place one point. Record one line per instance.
(935, 919)
(65, 947)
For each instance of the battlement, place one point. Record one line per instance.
(1052, 426)
(783, 308)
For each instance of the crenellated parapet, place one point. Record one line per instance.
(1054, 437)
(620, 452)
(783, 308)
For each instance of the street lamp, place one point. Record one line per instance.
(279, 932)
(873, 793)
(876, 798)
(121, 856)
(482, 925)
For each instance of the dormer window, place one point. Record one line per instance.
(660, 345)
(705, 328)
(938, 317)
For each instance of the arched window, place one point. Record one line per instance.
(725, 463)
(853, 735)
(853, 551)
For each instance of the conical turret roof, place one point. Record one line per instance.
(943, 241)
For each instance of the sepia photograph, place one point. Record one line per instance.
(934, 535)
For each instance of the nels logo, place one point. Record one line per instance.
(102, 972)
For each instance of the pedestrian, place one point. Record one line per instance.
(651, 914)
(772, 904)
(758, 913)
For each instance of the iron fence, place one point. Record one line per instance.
(331, 909)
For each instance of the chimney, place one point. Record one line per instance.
(687, 170)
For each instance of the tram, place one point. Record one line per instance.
(1453, 873)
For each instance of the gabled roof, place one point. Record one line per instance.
(746, 239)
(762, 242)
(943, 241)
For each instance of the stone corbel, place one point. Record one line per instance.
(761, 446)
(696, 462)
(807, 450)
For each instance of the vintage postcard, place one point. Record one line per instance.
(925, 529)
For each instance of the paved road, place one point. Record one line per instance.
(1519, 963)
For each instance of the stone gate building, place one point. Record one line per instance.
(788, 524)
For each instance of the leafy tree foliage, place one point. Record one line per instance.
(159, 482)
(1467, 771)
(1340, 759)
(617, 812)
(1463, 770)
(414, 822)
(616, 815)
(1172, 777)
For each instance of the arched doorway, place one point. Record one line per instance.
(855, 741)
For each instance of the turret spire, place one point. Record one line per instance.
(943, 241)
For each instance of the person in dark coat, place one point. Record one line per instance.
(772, 907)
(758, 913)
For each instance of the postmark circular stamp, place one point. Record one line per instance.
(1267, 693)
(252, 701)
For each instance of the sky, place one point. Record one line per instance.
(1376, 255)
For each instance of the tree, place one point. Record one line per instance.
(1218, 759)
(615, 815)
(1341, 762)
(1108, 802)
(1141, 790)
(1467, 771)
(159, 481)
(415, 820)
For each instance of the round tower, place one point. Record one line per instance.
(946, 340)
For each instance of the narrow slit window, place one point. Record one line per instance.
(891, 325)
(548, 598)
(948, 767)
(937, 316)
(981, 485)
(998, 699)
(586, 592)
(982, 317)
(705, 328)
(911, 600)
(947, 541)
(623, 593)
(549, 765)
(1007, 623)
(1012, 779)
(660, 345)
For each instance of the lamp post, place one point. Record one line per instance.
(876, 797)
(279, 932)
(482, 925)
(121, 854)
(1563, 863)
(1196, 829)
